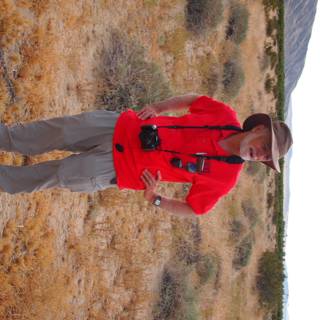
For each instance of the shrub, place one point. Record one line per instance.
(128, 79)
(242, 253)
(196, 233)
(271, 54)
(253, 168)
(5, 76)
(207, 268)
(238, 23)
(188, 306)
(270, 200)
(203, 14)
(272, 24)
(270, 4)
(187, 252)
(269, 84)
(233, 78)
(249, 211)
(257, 171)
(187, 242)
(270, 279)
(178, 300)
(168, 296)
(236, 230)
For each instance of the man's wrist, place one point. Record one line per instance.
(156, 200)
(157, 107)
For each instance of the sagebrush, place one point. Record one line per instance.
(233, 78)
(128, 78)
(238, 23)
(202, 15)
(270, 279)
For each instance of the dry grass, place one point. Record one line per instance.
(38, 281)
(209, 70)
(13, 25)
(38, 72)
(236, 230)
(4, 96)
(33, 61)
(238, 297)
(174, 42)
(30, 286)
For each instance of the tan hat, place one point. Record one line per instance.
(281, 138)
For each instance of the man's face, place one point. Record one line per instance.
(256, 145)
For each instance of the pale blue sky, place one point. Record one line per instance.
(303, 234)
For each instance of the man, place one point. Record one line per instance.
(137, 150)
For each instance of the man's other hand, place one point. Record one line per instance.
(151, 183)
(147, 112)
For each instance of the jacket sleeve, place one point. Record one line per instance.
(206, 191)
(203, 197)
(207, 105)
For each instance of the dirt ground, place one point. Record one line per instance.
(67, 255)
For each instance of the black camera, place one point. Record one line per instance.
(149, 137)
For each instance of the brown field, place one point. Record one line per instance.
(105, 255)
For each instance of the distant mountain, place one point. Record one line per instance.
(299, 18)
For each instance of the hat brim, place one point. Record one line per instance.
(263, 118)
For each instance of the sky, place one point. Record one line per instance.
(303, 233)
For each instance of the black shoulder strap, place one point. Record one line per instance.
(229, 159)
(227, 127)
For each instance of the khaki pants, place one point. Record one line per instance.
(89, 134)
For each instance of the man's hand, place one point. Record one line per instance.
(147, 112)
(151, 184)
(171, 104)
(176, 207)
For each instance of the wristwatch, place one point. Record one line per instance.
(157, 201)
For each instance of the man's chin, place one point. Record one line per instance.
(245, 157)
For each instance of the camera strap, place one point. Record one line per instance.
(228, 159)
